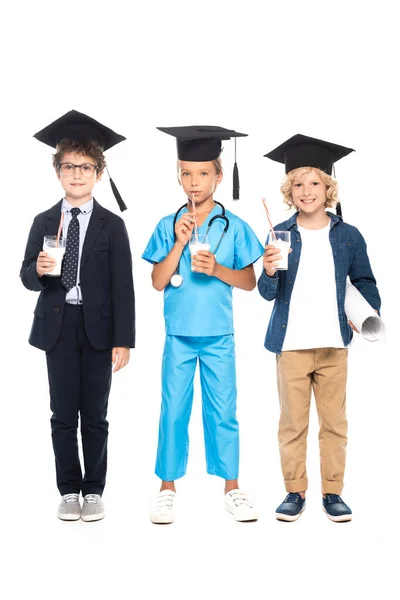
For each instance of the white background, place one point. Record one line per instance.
(271, 70)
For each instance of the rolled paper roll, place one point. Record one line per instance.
(362, 315)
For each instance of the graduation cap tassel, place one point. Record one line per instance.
(235, 182)
(235, 179)
(117, 195)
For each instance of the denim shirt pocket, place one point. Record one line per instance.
(346, 253)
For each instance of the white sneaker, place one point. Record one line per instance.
(239, 505)
(69, 508)
(163, 508)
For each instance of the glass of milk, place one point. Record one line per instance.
(199, 241)
(282, 242)
(55, 250)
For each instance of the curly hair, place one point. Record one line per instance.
(88, 147)
(331, 186)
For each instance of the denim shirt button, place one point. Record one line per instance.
(283, 326)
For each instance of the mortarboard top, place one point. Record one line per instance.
(303, 151)
(77, 126)
(202, 143)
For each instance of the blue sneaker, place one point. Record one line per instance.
(291, 508)
(336, 509)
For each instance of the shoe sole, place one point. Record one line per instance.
(162, 520)
(288, 518)
(90, 518)
(248, 520)
(339, 519)
(69, 517)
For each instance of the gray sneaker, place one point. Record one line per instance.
(93, 508)
(70, 508)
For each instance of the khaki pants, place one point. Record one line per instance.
(323, 370)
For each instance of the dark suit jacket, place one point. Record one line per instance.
(105, 278)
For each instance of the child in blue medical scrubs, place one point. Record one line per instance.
(199, 320)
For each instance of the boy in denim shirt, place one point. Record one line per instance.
(308, 329)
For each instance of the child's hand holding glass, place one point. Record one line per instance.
(271, 259)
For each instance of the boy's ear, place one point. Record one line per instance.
(179, 180)
(99, 175)
(57, 173)
(220, 177)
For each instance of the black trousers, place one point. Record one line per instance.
(80, 381)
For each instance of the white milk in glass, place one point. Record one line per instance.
(282, 242)
(56, 249)
(199, 242)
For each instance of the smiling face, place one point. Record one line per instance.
(199, 180)
(308, 192)
(78, 186)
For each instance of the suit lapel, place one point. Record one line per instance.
(93, 230)
(52, 219)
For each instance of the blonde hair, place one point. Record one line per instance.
(216, 162)
(331, 186)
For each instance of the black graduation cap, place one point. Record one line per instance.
(304, 151)
(77, 126)
(201, 143)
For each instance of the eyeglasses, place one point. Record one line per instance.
(68, 169)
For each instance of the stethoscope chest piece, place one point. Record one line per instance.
(176, 280)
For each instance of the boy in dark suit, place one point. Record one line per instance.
(84, 318)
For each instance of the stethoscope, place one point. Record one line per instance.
(177, 279)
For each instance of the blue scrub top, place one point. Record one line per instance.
(202, 305)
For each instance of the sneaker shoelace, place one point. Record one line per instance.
(333, 499)
(293, 497)
(68, 498)
(91, 499)
(240, 499)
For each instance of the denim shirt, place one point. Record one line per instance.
(350, 259)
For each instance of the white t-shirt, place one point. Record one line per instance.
(313, 313)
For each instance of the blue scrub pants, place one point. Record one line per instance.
(216, 355)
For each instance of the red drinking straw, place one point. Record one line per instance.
(196, 229)
(269, 218)
(60, 228)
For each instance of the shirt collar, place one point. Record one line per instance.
(292, 222)
(85, 208)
